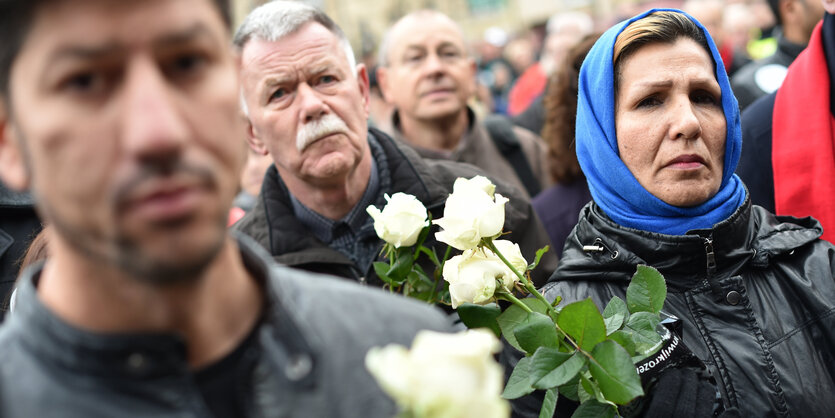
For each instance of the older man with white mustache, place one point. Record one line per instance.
(306, 101)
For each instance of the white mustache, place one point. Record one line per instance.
(319, 128)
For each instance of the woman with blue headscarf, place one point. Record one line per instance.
(658, 138)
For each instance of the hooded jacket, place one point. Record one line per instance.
(273, 224)
(756, 294)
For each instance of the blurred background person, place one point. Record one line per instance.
(427, 74)
(788, 161)
(559, 205)
(795, 19)
(711, 14)
(562, 32)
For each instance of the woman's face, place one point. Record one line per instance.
(669, 122)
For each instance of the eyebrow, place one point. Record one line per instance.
(279, 79)
(78, 52)
(668, 83)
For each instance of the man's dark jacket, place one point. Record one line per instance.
(744, 82)
(309, 348)
(756, 294)
(18, 225)
(273, 224)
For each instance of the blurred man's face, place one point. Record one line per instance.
(429, 75)
(308, 107)
(127, 115)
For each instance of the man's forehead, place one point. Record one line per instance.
(125, 23)
(416, 30)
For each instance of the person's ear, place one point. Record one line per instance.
(13, 170)
(383, 82)
(365, 87)
(254, 141)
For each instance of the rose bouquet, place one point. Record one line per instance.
(573, 350)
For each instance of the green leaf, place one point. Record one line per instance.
(624, 338)
(536, 330)
(402, 266)
(583, 322)
(545, 360)
(589, 389)
(514, 315)
(647, 291)
(519, 382)
(478, 316)
(594, 409)
(615, 373)
(382, 269)
(569, 390)
(539, 253)
(563, 373)
(641, 327)
(614, 314)
(549, 404)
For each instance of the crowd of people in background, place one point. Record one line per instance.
(130, 286)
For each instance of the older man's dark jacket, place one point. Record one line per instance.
(273, 224)
(756, 294)
(309, 351)
(18, 225)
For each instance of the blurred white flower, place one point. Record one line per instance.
(443, 375)
(400, 221)
(472, 212)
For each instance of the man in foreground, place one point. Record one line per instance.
(121, 117)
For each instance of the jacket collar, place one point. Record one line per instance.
(599, 248)
(142, 356)
(13, 199)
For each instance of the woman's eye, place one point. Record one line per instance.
(649, 102)
(705, 98)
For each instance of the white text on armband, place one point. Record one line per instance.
(660, 357)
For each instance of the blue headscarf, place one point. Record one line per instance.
(612, 185)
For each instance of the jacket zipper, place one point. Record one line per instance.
(710, 256)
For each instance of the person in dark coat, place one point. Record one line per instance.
(658, 138)
(329, 166)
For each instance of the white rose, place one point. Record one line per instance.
(400, 221)
(472, 212)
(512, 253)
(472, 275)
(443, 375)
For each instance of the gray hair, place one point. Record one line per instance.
(277, 19)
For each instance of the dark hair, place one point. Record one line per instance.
(561, 111)
(663, 27)
(16, 20)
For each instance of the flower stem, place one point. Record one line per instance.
(513, 299)
(528, 285)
